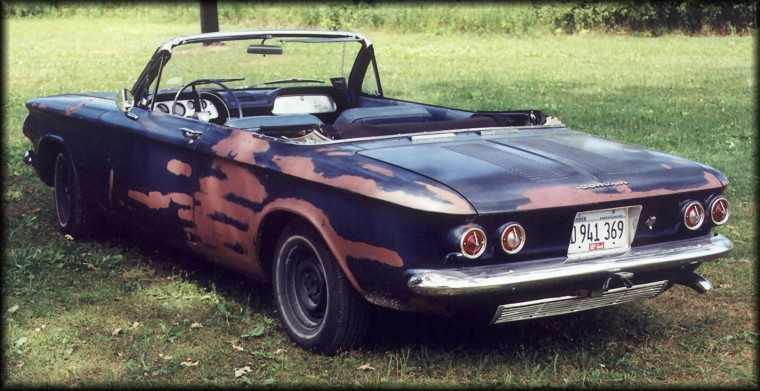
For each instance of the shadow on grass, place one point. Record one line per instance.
(396, 330)
(207, 275)
(571, 333)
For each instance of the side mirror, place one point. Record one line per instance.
(124, 102)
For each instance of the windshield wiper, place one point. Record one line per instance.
(282, 81)
(200, 81)
(229, 80)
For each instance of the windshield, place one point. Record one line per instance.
(308, 62)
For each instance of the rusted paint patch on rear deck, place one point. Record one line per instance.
(440, 199)
(563, 195)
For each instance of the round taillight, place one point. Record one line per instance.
(719, 211)
(512, 238)
(693, 215)
(473, 243)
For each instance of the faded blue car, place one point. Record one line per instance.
(277, 153)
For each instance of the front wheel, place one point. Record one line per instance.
(76, 217)
(317, 305)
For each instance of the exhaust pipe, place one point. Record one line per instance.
(696, 282)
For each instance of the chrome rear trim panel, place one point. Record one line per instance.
(567, 304)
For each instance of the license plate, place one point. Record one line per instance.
(601, 232)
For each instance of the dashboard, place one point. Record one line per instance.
(187, 108)
(324, 102)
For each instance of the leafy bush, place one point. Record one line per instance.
(689, 16)
(652, 17)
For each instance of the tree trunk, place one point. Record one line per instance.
(209, 17)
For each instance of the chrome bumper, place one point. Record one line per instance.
(556, 271)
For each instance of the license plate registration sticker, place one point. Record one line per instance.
(601, 232)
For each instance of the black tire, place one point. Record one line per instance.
(75, 216)
(317, 305)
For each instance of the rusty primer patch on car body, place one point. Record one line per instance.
(74, 106)
(157, 200)
(303, 167)
(226, 227)
(178, 167)
(379, 170)
(240, 146)
(110, 188)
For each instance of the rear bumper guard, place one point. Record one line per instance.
(568, 304)
(532, 274)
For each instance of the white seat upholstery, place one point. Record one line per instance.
(384, 115)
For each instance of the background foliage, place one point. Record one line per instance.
(649, 17)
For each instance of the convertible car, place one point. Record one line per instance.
(277, 153)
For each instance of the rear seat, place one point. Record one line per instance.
(357, 130)
(382, 115)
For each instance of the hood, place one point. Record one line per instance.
(85, 105)
(545, 169)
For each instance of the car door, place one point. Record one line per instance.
(233, 169)
(153, 173)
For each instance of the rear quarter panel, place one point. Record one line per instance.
(368, 213)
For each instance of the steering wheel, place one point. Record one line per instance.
(200, 82)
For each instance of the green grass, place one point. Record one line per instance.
(122, 311)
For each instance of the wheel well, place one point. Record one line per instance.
(269, 232)
(46, 154)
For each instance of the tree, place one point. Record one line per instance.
(209, 16)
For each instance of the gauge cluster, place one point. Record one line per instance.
(187, 108)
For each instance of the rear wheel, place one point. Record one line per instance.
(75, 216)
(317, 305)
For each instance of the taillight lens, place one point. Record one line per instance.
(719, 211)
(512, 238)
(473, 243)
(693, 215)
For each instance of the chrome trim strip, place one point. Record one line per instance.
(258, 34)
(473, 280)
(507, 130)
(567, 304)
(437, 136)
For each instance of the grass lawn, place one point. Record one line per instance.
(123, 311)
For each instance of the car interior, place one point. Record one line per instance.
(293, 112)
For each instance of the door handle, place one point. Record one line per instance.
(191, 133)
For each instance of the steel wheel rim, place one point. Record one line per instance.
(306, 286)
(62, 191)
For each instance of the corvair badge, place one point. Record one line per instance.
(605, 184)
